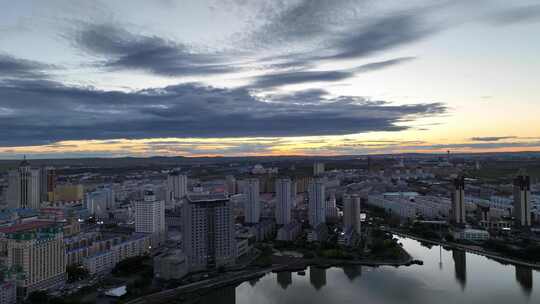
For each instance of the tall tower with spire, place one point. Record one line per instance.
(24, 187)
(458, 200)
(522, 199)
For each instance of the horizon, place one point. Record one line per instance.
(421, 154)
(293, 78)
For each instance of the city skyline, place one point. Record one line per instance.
(239, 78)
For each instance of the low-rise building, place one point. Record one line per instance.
(349, 237)
(318, 234)
(170, 265)
(471, 234)
(289, 232)
(8, 292)
(103, 261)
(264, 229)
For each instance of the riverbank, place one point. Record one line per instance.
(279, 264)
(469, 248)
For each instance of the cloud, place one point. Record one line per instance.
(124, 50)
(381, 34)
(492, 138)
(302, 76)
(11, 67)
(44, 112)
(522, 14)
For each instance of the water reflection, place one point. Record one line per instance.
(524, 277)
(284, 279)
(460, 267)
(473, 279)
(352, 271)
(317, 277)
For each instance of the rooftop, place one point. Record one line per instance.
(196, 198)
(33, 225)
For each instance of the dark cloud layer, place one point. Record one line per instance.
(19, 68)
(125, 50)
(302, 76)
(520, 14)
(492, 138)
(41, 112)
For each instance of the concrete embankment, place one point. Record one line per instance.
(470, 249)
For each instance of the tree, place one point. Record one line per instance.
(76, 273)
(38, 297)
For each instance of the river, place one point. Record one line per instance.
(447, 276)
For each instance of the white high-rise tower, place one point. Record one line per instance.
(252, 205)
(150, 217)
(176, 186)
(522, 200)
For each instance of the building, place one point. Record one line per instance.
(230, 182)
(283, 201)
(68, 193)
(8, 292)
(48, 183)
(24, 187)
(289, 232)
(170, 265)
(150, 217)
(39, 252)
(176, 186)
(318, 169)
(410, 205)
(263, 230)
(522, 200)
(107, 253)
(316, 203)
(208, 231)
(349, 237)
(99, 201)
(458, 201)
(318, 234)
(351, 212)
(471, 234)
(252, 205)
(331, 210)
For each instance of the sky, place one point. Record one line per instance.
(282, 77)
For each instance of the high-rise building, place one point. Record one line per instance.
(230, 182)
(24, 187)
(294, 191)
(37, 249)
(69, 193)
(283, 201)
(318, 169)
(252, 204)
(351, 212)
(331, 208)
(316, 203)
(99, 201)
(458, 200)
(150, 217)
(522, 200)
(48, 180)
(176, 186)
(208, 231)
